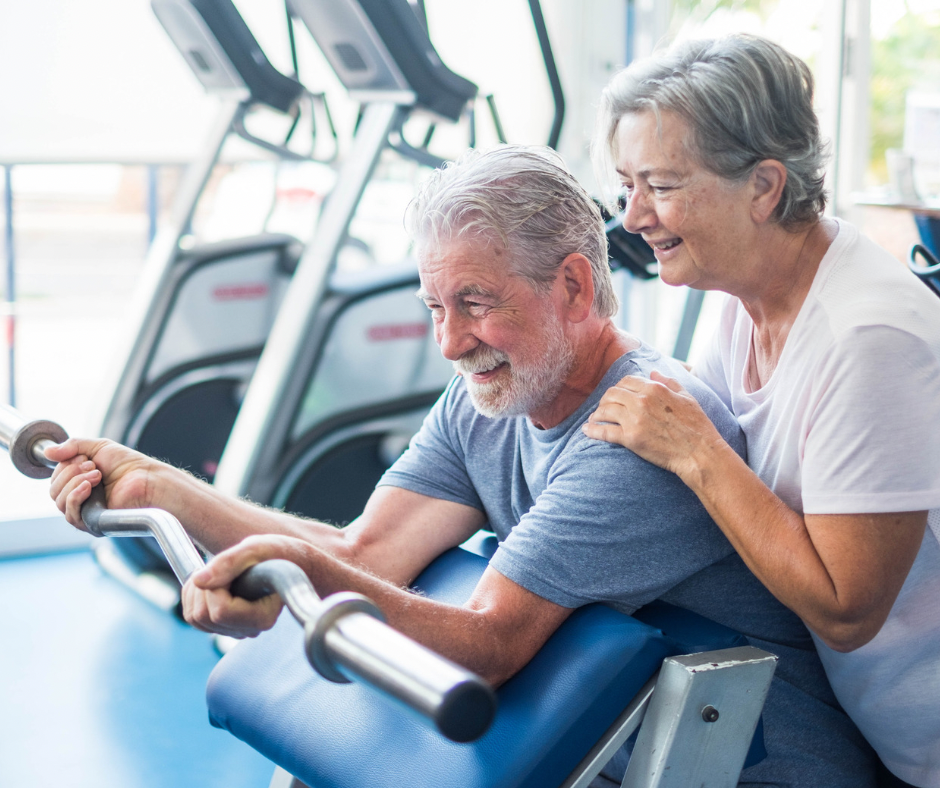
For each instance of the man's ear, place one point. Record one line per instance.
(576, 277)
(767, 182)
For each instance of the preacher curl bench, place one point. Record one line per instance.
(559, 720)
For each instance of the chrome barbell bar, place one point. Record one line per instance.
(345, 635)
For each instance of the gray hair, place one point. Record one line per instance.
(523, 198)
(744, 98)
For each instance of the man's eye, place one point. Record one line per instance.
(661, 189)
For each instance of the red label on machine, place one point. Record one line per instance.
(397, 331)
(247, 292)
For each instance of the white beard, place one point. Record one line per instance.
(526, 385)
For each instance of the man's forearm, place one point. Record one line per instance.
(495, 633)
(217, 521)
(461, 634)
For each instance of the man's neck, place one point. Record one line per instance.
(596, 350)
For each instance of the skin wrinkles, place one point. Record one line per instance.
(670, 199)
(501, 336)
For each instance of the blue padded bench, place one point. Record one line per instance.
(550, 714)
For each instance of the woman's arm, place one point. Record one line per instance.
(840, 573)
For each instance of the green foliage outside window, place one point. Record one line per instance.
(904, 57)
(908, 56)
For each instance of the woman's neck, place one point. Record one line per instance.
(774, 302)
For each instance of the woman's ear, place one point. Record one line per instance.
(767, 182)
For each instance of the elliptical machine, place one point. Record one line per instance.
(207, 312)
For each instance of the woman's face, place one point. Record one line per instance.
(697, 222)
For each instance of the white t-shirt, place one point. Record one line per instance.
(849, 423)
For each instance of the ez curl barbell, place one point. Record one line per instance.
(345, 636)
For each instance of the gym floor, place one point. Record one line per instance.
(102, 690)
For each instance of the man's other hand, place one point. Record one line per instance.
(207, 603)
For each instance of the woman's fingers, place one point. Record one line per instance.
(602, 432)
(655, 418)
(670, 383)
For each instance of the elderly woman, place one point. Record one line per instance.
(828, 353)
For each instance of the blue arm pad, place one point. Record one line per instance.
(348, 736)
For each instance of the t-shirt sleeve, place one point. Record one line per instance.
(609, 527)
(872, 441)
(434, 463)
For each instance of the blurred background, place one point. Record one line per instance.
(99, 117)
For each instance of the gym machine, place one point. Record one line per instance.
(208, 312)
(349, 367)
(327, 413)
(602, 677)
(929, 274)
(366, 365)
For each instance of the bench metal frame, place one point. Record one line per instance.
(696, 718)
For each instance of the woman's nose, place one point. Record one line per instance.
(638, 214)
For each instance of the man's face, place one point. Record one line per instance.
(504, 338)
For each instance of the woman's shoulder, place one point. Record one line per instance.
(863, 286)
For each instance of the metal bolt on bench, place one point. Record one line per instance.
(345, 635)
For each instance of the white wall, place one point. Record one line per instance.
(100, 80)
(95, 79)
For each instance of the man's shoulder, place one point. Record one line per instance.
(646, 359)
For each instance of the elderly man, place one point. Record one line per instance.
(513, 265)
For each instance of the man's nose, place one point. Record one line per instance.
(638, 215)
(454, 336)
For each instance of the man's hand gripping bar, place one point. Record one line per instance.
(345, 635)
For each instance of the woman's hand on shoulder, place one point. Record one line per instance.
(656, 419)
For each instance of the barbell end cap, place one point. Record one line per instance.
(467, 711)
(21, 447)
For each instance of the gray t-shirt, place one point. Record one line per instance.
(581, 521)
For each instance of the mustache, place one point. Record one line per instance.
(480, 359)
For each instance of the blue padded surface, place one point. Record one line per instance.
(550, 714)
(347, 736)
